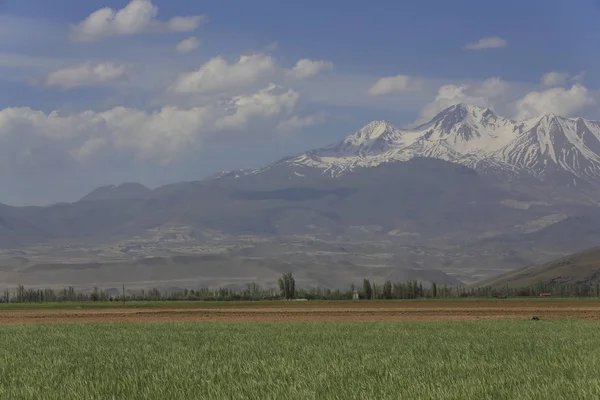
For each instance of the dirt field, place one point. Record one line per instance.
(307, 312)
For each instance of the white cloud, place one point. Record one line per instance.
(394, 84)
(578, 78)
(139, 16)
(52, 125)
(183, 24)
(187, 45)
(486, 43)
(296, 123)
(306, 68)
(268, 102)
(491, 88)
(555, 79)
(87, 74)
(480, 94)
(160, 136)
(560, 101)
(219, 76)
(89, 149)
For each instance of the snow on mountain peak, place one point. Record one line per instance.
(476, 137)
(373, 130)
(379, 125)
(373, 138)
(462, 113)
(463, 110)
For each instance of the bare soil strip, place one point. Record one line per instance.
(317, 312)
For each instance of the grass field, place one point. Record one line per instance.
(387, 360)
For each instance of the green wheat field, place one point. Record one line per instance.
(408, 360)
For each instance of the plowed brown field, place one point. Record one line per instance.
(316, 312)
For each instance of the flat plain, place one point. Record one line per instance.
(303, 311)
(452, 349)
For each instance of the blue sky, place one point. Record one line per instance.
(85, 102)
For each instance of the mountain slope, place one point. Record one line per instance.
(15, 230)
(208, 270)
(118, 192)
(548, 148)
(426, 197)
(579, 268)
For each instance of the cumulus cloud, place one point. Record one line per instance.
(187, 45)
(491, 88)
(219, 76)
(53, 125)
(578, 78)
(394, 84)
(89, 149)
(560, 101)
(271, 101)
(161, 136)
(296, 123)
(555, 79)
(86, 74)
(481, 94)
(158, 136)
(137, 17)
(492, 42)
(183, 24)
(307, 68)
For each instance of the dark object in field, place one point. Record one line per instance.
(500, 297)
(545, 294)
(534, 318)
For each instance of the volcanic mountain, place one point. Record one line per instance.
(548, 147)
(469, 193)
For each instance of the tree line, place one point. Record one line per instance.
(287, 290)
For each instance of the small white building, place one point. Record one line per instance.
(355, 295)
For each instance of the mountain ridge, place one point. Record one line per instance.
(547, 147)
(128, 190)
(579, 268)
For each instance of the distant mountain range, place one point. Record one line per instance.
(548, 147)
(469, 193)
(424, 197)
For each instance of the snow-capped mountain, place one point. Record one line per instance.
(546, 147)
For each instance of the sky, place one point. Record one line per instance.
(160, 91)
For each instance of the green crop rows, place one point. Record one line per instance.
(426, 360)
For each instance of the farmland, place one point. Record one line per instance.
(388, 350)
(317, 311)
